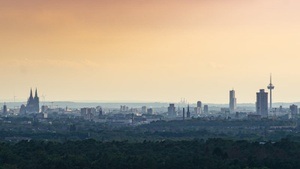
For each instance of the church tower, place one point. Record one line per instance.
(36, 102)
(33, 103)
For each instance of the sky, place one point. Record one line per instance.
(149, 50)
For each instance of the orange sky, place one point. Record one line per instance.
(160, 50)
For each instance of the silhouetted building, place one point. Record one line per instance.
(262, 103)
(232, 101)
(124, 108)
(294, 110)
(100, 111)
(226, 112)
(198, 109)
(199, 104)
(44, 108)
(33, 103)
(88, 113)
(150, 111)
(22, 109)
(171, 110)
(188, 113)
(254, 116)
(205, 109)
(144, 110)
(4, 109)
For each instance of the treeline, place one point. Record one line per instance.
(200, 154)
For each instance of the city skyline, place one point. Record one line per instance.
(153, 51)
(232, 99)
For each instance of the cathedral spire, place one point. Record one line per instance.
(31, 96)
(36, 93)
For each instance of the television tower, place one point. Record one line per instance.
(271, 87)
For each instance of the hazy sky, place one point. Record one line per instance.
(149, 50)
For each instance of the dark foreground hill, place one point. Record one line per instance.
(210, 154)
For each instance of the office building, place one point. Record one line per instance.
(199, 104)
(232, 101)
(4, 109)
(124, 108)
(294, 110)
(171, 110)
(198, 109)
(144, 110)
(150, 111)
(22, 109)
(88, 113)
(205, 109)
(262, 103)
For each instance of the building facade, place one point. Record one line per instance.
(198, 109)
(205, 109)
(294, 110)
(232, 101)
(172, 110)
(33, 103)
(262, 103)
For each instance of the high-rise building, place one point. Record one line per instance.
(198, 109)
(144, 110)
(4, 109)
(294, 110)
(232, 101)
(33, 103)
(199, 104)
(172, 110)
(262, 103)
(205, 109)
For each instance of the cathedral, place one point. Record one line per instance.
(33, 103)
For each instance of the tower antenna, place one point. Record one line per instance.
(271, 87)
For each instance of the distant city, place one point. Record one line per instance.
(143, 113)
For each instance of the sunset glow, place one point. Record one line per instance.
(138, 50)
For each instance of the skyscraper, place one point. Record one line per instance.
(294, 110)
(205, 109)
(4, 109)
(232, 101)
(198, 109)
(199, 104)
(171, 110)
(262, 103)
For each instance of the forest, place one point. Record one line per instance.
(187, 154)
